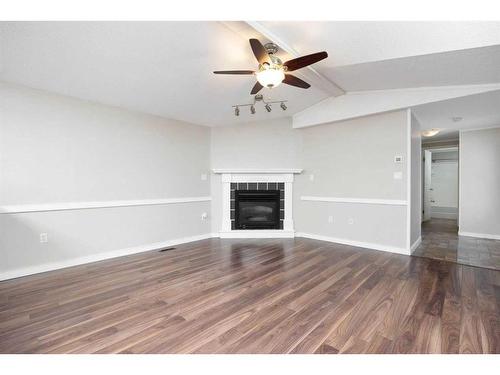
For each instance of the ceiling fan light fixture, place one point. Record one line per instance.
(430, 132)
(270, 77)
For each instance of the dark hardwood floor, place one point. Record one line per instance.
(254, 296)
(440, 240)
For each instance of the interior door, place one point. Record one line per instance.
(427, 185)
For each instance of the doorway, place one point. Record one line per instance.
(440, 204)
(440, 181)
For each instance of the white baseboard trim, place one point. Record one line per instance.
(343, 241)
(264, 233)
(415, 244)
(24, 208)
(6, 275)
(480, 235)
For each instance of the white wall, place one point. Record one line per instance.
(56, 149)
(355, 159)
(480, 183)
(416, 182)
(444, 184)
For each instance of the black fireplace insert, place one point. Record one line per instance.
(257, 209)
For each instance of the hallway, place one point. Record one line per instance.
(440, 240)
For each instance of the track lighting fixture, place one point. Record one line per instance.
(259, 98)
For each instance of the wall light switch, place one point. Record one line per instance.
(350, 221)
(204, 177)
(398, 175)
(44, 238)
(204, 216)
(311, 177)
(398, 159)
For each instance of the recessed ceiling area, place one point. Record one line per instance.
(475, 111)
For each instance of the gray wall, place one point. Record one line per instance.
(350, 159)
(480, 182)
(416, 181)
(265, 144)
(355, 159)
(56, 149)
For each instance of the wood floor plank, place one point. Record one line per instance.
(255, 296)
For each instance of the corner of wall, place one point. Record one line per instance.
(408, 179)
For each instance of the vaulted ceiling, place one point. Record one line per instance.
(165, 68)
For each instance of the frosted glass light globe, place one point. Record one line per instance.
(271, 77)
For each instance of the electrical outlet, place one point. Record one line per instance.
(350, 221)
(330, 219)
(204, 216)
(44, 238)
(204, 177)
(398, 175)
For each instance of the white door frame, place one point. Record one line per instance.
(427, 185)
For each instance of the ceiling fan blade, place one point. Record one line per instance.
(303, 61)
(294, 81)
(256, 88)
(259, 51)
(234, 72)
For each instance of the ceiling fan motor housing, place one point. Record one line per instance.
(271, 48)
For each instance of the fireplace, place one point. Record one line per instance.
(261, 221)
(257, 209)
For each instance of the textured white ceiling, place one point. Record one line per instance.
(463, 67)
(477, 111)
(355, 42)
(165, 68)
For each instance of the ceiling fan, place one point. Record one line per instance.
(272, 71)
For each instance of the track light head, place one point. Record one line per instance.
(236, 111)
(283, 106)
(268, 108)
(252, 110)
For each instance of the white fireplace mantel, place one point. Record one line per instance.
(258, 171)
(257, 175)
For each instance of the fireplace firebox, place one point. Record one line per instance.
(257, 209)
